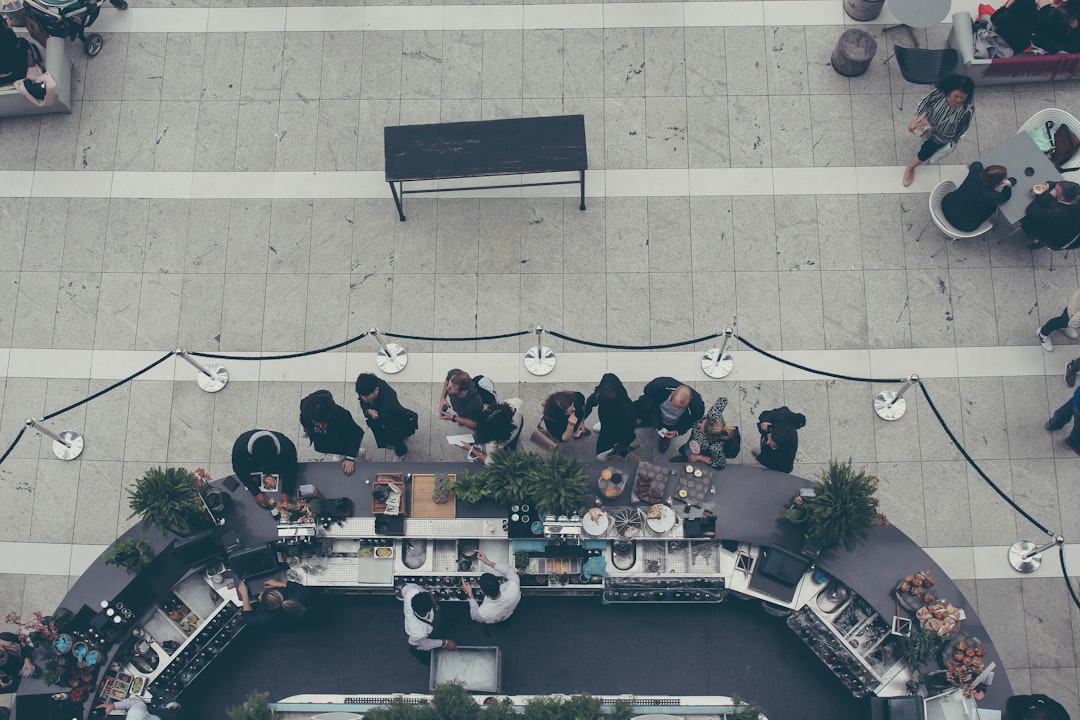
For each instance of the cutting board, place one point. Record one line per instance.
(422, 504)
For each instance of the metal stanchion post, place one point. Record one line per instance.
(68, 445)
(1025, 557)
(717, 362)
(891, 405)
(391, 357)
(211, 378)
(540, 360)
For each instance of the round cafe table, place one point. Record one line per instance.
(920, 13)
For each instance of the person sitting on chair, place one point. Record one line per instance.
(1053, 217)
(970, 205)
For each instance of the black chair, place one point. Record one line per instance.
(926, 67)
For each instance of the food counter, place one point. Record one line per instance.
(717, 536)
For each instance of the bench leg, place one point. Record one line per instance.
(582, 206)
(397, 201)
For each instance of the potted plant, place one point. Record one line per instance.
(743, 710)
(453, 702)
(521, 561)
(132, 555)
(558, 486)
(844, 507)
(255, 707)
(555, 485)
(797, 512)
(169, 500)
(920, 646)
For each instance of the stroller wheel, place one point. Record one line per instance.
(92, 44)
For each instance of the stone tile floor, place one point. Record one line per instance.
(836, 272)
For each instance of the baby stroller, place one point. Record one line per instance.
(63, 18)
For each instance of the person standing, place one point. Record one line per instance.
(779, 438)
(499, 427)
(970, 205)
(941, 118)
(617, 421)
(264, 458)
(390, 422)
(1069, 411)
(331, 428)
(135, 707)
(463, 398)
(281, 606)
(1067, 322)
(500, 598)
(1053, 217)
(422, 620)
(671, 407)
(564, 415)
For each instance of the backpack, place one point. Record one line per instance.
(486, 388)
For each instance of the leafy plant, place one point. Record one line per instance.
(169, 500)
(555, 485)
(521, 559)
(920, 646)
(453, 702)
(132, 555)
(844, 507)
(559, 486)
(744, 710)
(255, 707)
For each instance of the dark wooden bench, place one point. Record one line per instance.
(519, 146)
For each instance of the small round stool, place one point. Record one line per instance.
(863, 9)
(854, 51)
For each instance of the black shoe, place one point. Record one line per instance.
(119, 4)
(665, 443)
(401, 450)
(1070, 372)
(1049, 427)
(36, 90)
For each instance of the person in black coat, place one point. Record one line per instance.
(617, 417)
(1053, 217)
(388, 419)
(968, 206)
(779, 438)
(16, 662)
(671, 407)
(1015, 22)
(331, 428)
(257, 454)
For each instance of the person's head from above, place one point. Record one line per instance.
(459, 383)
(959, 90)
(992, 175)
(1067, 192)
(273, 599)
(490, 585)
(610, 388)
(367, 387)
(717, 429)
(781, 436)
(422, 603)
(316, 407)
(264, 450)
(559, 403)
(496, 424)
(680, 397)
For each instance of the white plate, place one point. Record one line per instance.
(665, 522)
(595, 527)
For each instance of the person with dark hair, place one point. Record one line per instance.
(617, 417)
(1053, 217)
(280, 606)
(500, 598)
(1033, 707)
(564, 415)
(1069, 411)
(941, 118)
(331, 428)
(390, 422)
(422, 620)
(499, 427)
(970, 205)
(669, 406)
(463, 398)
(265, 459)
(1067, 322)
(1015, 22)
(1056, 27)
(16, 662)
(713, 440)
(779, 438)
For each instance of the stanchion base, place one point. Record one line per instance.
(540, 361)
(716, 365)
(1021, 564)
(70, 451)
(888, 406)
(392, 359)
(215, 381)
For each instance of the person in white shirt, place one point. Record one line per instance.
(500, 599)
(135, 707)
(422, 619)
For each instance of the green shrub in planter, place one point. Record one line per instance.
(554, 485)
(255, 707)
(453, 702)
(169, 500)
(744, 710)
(920, 646)
(844, 507)
(132, 555)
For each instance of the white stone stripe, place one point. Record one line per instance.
(771, 13)
(928, 363)
(372, 184)
(986, 562)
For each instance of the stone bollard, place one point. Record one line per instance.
(863, 9)
(854, 51)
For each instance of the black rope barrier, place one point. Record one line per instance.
(1065, 574)
(112, 387)
(826, 373)
(287, 356)
(11, 447)
(399, 336)
(608, 346)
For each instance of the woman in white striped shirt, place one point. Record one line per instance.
(941, 118)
